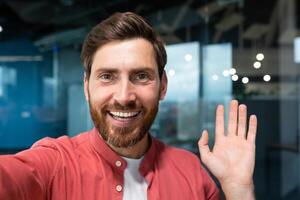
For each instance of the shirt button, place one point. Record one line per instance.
(119, 188)
(118, 163)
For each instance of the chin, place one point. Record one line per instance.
(123, 137)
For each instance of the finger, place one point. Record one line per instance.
(232, 118)
(203, 146)
(252, 129)
(242, 121)
(219, 132)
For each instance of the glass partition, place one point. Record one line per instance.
(218, 50)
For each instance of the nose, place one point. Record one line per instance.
(125, 93)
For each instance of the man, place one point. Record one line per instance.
(124, 81)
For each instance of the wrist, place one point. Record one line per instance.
(234, 191)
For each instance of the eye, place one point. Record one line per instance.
(106, 77)
(142, 76)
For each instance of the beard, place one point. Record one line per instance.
(122, 136)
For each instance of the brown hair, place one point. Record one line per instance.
(121, 26)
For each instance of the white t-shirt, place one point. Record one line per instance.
(135, 186)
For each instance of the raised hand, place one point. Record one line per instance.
(232, 159)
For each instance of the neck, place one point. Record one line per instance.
(136, 151)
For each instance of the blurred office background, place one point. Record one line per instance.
(218, 50)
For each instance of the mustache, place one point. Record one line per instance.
(117, 106)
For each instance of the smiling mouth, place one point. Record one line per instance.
(123, 115)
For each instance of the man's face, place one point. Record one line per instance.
(124, 90)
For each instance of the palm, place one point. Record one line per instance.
(233, 156)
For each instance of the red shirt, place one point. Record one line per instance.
(85, 168)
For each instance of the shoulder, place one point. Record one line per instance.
(188, 165)
(58, 152)
(63, 142)
(183, 161)
(177, 155)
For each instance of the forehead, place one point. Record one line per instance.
(125, 54)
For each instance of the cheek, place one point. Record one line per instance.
(149, 96)
(99, 96)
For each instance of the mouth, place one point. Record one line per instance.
(124, 117)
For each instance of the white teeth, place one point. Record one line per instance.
(124, 114)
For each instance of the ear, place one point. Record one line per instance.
(86, 87)
(163, 86)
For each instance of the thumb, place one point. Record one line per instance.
(203, 146)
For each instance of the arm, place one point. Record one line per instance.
(233, 156)
(26, 175)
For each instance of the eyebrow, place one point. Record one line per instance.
(110, 70)
(147, 69)
(116, 69)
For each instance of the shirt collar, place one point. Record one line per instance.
(105, 151)
(111, 157)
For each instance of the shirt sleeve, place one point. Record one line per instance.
(210, 187)
(27, 175)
